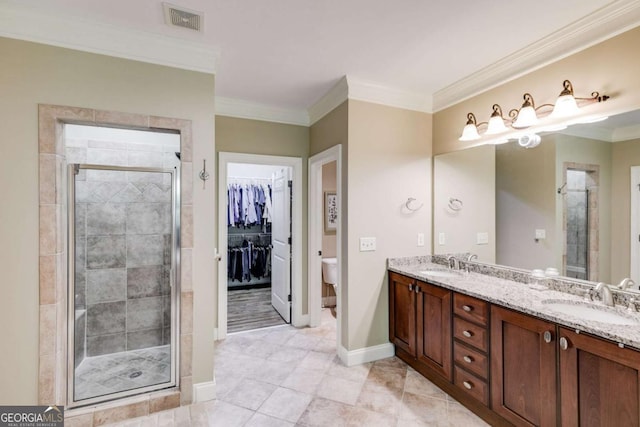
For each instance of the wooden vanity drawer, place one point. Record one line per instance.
(470, 333)
(471, 385)
(470, 359)
(471, 308)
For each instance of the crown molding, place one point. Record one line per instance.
(251, 110)
(608, 21)
(32, 24)
(592, 132)
(626, 133)
(329, 101)
(362, 90)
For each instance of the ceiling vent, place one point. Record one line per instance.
(180, 17)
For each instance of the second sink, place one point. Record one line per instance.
(590, 312)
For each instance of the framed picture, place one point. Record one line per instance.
(330, 212)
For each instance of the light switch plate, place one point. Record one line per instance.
(420, 239)
(541, 233)
(442, 240)
(367, 244)
(482, 238)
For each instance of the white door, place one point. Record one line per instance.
(280, 237)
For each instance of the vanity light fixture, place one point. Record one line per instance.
(526, 116)
(496, 122)
(470, 131)
(557, 116)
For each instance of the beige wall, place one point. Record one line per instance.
(469, 176)
(624, 156)
(526, 201)
(611, 67)
(389, 160)
(32, 74)
(234, 135)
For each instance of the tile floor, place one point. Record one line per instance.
(285, 376)
(112, 373)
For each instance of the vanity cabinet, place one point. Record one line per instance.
(523, 368)
(511, 368)
(420, 322)
(599, 382)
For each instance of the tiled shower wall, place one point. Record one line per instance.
(123, 246)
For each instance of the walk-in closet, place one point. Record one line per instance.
(251, 219)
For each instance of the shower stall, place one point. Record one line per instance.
(124, 229)
(577, 224)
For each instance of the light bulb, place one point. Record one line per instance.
(470, 133)
(526, 117)
(566, 106)
(496, 125)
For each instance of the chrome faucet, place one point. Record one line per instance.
(626, 283)
(605, 294)
(453, 262)
(471, 257)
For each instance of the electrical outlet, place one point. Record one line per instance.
(482, 238)
(367, 244)
(441, 239)
(541, 234)
(420, 239)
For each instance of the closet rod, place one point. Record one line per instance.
(247, 178)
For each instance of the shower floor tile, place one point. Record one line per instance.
(113, 373)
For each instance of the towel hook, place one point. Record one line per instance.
(410, 205)
(204, 175)
(455, 204)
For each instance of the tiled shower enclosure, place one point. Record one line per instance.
(124, 233)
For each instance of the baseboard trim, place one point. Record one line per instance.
(203, 392)
(367, 354)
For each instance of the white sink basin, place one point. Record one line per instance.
(440, 273)
(590, 312)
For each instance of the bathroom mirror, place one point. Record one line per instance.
(567, 203)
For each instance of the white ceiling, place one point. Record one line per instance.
(289, 53)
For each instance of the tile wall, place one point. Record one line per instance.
(123, 246)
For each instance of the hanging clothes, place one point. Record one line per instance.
(248, 204)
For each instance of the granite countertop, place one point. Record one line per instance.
(523, 297)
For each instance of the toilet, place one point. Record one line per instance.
(330, 272)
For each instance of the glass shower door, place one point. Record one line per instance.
(123, 235)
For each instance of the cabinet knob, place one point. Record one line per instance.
(410, 287)
(564, 344)
(467, 385)
(417, 289)
(467, 334)
(468, 359)
(547, 337)
(467, 308)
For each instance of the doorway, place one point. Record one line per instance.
(260, 235)
(325, 236)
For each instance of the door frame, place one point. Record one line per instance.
(315, 212)
(224, 158)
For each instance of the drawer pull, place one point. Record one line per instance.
(564, 344)
(467, 334)
(547, 337)
(467, 385)
(468, 359)
(467, 308)
(410, 287)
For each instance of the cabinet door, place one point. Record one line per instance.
(599, 382)
(523, 368)
(402, 312)
(434, 328)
